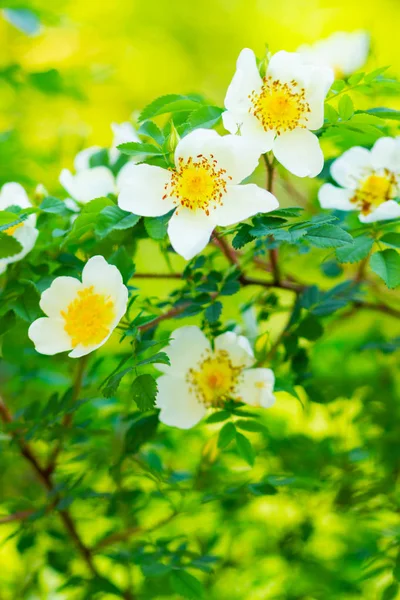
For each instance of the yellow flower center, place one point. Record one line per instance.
(280, 106)
(197, 184)
(215, 379)
(374, 190)
(11, 230)
(88, 317)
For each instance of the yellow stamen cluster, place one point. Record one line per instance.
(197, 183)
(88, 317)
(215, 379)
(374, 190)
(279, 106)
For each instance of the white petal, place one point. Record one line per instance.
(142, 188)
(196, 142)
(59, 295)
(235, 154)
(385, 154)
(299, 151)
(81, 350)
(13, 194)
(330, 196)
(49, 336)
(250, 128)
(238, 348)
(179, 408)
(319, 82)
(187, 347)
(387, 210)
(190, 231)
(27, 236)
(245, 80)
(344, 52)
(352, 166)
(106, 280)
(242, 202)
(88, 184)
(124, 132)
(256, 387)
(286, 67)
(82, 159)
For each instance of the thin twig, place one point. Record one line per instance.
(45, 479)
(67, 420)
(122, 536)
(22, 515)
(273, 253)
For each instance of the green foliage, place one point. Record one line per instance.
(386, 264)
(101, 498)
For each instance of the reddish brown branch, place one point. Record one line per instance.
(121, 536)
(67, 420)
(18, 516)
(45, 479)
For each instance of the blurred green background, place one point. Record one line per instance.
(91, 63)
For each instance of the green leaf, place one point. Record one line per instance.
(331, 113)
(328, 236)
(242, 237)
(205, 117)
(112, 217)
(23, 19)
(151, 130)
(385, 113)
(346, 107)
(87, 219)
(160, 357)
(356, 78)
(391, 239)
(157, 227)
(141, 430)
(144, 392)
(170, 103)
(55, 206)
(186, 585)
(10, 219)
(310, 328)
(264, 488)
(226, 435)
(357, 251)
(251, 425)
(140, 151)
(213, 312)
(386, 264)
(390, 592)
(217, 417)
(102, 585)
(124, 263)
(112, 383)
(26, 305)
(245, 448)
(9, 246)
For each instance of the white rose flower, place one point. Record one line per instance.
(201, 377)
(279, 111)
(87, 183)
(123, 133)
(80, 316)
(344, 52)
(203, 187)
(13, 194)
(369, 180)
